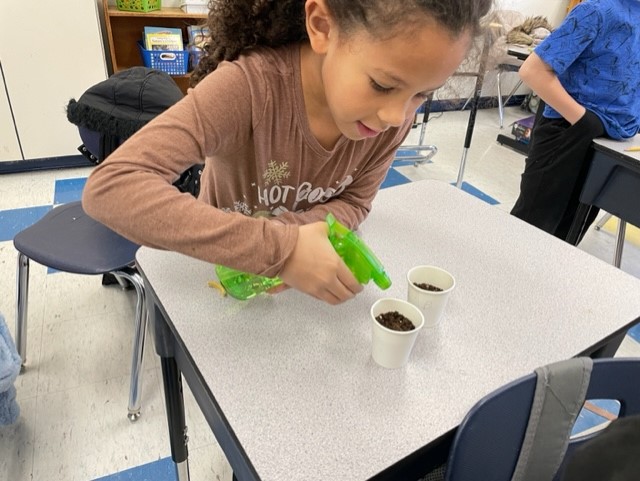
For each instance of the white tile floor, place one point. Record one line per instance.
(73, 394)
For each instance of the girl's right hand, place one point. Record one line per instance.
(316, 269)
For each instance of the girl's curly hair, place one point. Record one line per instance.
(238, 25)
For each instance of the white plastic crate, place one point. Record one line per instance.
(195, 6)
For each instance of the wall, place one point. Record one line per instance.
(462, 88)
(554, 10)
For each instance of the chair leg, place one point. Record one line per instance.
(617, 256)
(513, 91)
(605, 218)
(424, 153)
(22, 297)
(138, 343)
(121, 282)
(500, 106)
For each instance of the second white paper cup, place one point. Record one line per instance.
(431, 303)
(389, 348)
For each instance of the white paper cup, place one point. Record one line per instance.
(431, 303)
(389, 348)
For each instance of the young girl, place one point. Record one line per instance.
(298, 110)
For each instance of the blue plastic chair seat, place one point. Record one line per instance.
(67, 239)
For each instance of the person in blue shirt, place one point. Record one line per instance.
(587, 72)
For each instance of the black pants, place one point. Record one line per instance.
(555, 172)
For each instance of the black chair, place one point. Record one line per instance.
(489, 443)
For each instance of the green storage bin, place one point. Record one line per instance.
(139, 5)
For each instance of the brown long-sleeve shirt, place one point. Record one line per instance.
(247, 122)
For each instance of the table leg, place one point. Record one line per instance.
(622, 227)
(577, 230)
(479, 76)
(470, 125)
(174, 401)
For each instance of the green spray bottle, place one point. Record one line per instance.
(360, 260)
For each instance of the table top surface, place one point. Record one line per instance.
(295, 379)
(619, 146)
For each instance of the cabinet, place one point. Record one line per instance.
(124, 30)
(48, 56)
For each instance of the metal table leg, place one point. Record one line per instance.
(172, 383)
(174, 401)
(479, 75)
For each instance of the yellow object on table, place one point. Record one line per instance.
(218, 286)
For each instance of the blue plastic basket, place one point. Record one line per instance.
(173, 62)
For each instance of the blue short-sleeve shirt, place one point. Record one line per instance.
(595, 53)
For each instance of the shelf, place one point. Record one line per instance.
(170, 12)
(124, 30)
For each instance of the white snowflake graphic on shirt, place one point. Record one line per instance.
(242, 207)
(276, 173)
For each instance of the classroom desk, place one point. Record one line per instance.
(288, 385)
(612, 184)
(521, 53)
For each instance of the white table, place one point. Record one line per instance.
(288, 385)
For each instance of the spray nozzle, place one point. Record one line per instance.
(356, 254)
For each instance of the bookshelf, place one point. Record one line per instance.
(124, 29)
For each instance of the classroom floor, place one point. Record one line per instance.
(74, 391)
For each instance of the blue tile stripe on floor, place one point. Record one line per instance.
(13, 221)
(68, 190)
(470, 189)
(394, 178)
(634, 332)
(161, 470)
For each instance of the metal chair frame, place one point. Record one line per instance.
(103, 251)
(505, 68)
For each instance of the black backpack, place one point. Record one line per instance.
(111, 111)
